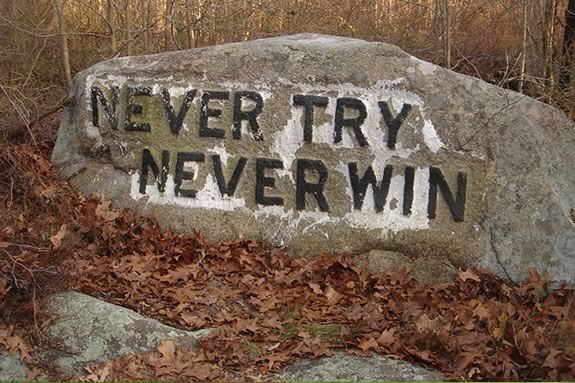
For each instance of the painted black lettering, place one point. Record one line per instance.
(182, 174)
(393, 124)
(408, 190)
(456, 205)
(206, 112)
(229, 188)
(309, 102)
(359, 186)
(354, 123)
(161, 175)
(177, 119)
(262, 181)
(133, 108)
(251, 116)
(316, 189)
(110, 109)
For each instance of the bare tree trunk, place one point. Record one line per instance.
(65, 53)
(112, 26)
(127, 16)
(188, 13)
(524, 6)
(146, 23)
(568, 42)
(548, 33)
(189, 24)
(168, 25)
(436, 18)
(446, 33)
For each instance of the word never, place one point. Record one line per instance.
(240, 99)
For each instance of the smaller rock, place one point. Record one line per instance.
(12, 368)
(383, 261)
(93, 331)
(347, 367)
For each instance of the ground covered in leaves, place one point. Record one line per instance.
(267, 307)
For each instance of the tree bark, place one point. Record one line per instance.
(568, 42)
(128, 28)
(524, 6)
(64, 38)
(189, 31)
(168, 25)
(548, 46)
(446, 34)
(146, 23)
(112, 27)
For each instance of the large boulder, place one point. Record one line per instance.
(328, 143)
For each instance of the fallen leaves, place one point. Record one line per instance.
(168, 350)
(387, 338)
(104, 211)
(14, 343)
(97, 374)
(468, 275)
(368, 343)
(193, 321)
(268, 308)
(57, 238)
(424, 323)
(332, 296)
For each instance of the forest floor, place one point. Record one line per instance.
(267, 307)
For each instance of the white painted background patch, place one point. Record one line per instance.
(288, 140)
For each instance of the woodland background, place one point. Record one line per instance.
(525, 45)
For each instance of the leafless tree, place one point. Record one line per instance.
(168, 25)
(63, 35)
(110, 19)
(566, 68)
(446, 32)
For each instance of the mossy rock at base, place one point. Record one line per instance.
(351, 368)
(90, 331)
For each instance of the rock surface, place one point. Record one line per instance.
(383, 261)
(324, 143)
(424, 269)
(433, 270)
(12, 368)
(346, 367)
(89, 330)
